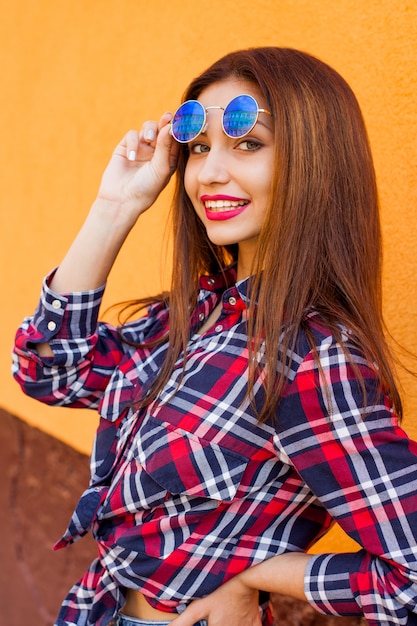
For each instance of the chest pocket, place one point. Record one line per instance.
(185, 464)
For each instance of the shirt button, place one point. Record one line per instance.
(211, 281)
(201, 317)
(232, 300)
(56, 304)
(51, 325)
(218, 328)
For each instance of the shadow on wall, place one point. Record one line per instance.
(41, 481)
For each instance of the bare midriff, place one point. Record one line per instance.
(137, 606)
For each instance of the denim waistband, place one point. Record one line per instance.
(126, 620)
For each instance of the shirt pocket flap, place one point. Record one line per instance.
(183, 463)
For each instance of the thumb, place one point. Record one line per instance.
(193, 614)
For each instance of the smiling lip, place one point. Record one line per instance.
(223, 207)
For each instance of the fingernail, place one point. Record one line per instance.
(132, 155)
(150, 134)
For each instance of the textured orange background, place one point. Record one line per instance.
(76, 74)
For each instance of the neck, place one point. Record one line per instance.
(245, 260)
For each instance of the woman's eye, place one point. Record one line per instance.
(198, 148)
(250, 144)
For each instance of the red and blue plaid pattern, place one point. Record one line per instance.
(192, 490)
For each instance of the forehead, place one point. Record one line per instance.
(220, 93)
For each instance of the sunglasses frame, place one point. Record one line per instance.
(224, 109)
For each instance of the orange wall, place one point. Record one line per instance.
(76, 74)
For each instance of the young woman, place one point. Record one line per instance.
(255, 403)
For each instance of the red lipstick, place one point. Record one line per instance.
(222, 207)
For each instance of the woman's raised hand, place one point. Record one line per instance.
(140, 168)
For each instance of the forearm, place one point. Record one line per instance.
(236, 602)
(282, 574)
(91, 256)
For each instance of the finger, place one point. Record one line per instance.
(149, 132)
(165, 119)
(134, 140)
(166, 148)
(131, 144)
(173, 146)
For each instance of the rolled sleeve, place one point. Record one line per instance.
(69, 316)
(84, 351)
(362, 584)
(327, 583)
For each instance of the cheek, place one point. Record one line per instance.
(263, 178)
(191, 189)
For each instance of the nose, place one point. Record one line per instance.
(214, 167)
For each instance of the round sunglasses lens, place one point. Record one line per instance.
(188, 121)
(240, 116)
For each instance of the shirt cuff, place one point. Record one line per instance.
(66, 316)
(327, 583)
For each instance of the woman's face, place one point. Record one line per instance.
(228, 180)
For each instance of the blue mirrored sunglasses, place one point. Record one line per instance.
(239, 117)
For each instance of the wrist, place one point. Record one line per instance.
(113, 215)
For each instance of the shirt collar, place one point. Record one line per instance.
(224, 280)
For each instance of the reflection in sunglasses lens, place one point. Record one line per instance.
(240, 116)
(188, 121)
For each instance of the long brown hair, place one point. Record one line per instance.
(320, 246)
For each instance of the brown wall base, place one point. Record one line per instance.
(41, 481)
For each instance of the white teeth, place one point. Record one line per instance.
(224, 204)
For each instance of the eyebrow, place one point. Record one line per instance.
(258, 121)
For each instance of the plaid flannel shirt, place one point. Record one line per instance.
(192, 490)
